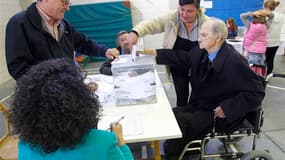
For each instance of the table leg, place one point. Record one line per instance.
(157, 150)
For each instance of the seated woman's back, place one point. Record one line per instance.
(97, 144)
(55, 115)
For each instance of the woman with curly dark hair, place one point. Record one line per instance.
(55, 115)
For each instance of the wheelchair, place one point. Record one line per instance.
(251, 126)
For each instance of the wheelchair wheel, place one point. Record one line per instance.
(257, 155)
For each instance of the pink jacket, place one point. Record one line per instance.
(255, 38)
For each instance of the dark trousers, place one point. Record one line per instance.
(194, 124)
(181, 84)
(270, 54)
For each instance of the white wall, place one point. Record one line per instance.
(147, 9)
(7, 8)
(25, 3)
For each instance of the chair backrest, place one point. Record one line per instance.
(8, 143)
(5, 112)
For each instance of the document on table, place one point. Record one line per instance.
(105, 89)
(132, 124)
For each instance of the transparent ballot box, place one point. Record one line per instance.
(134, 80)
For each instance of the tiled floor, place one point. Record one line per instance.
(273, 135)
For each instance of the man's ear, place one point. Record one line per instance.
(219, 37)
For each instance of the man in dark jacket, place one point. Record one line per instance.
(124, 48)
(224, 87)
(42, 33)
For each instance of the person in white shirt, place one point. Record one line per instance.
(273, 36)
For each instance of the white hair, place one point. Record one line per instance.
(218, 27)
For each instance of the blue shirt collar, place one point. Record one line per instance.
(213, 55)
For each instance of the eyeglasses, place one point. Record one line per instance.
(66, 2)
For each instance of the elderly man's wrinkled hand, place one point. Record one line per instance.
(112, 53)
(219, 112)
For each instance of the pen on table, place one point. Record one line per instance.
(116, 122)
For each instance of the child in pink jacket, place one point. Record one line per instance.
(254, 41)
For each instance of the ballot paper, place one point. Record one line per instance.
(132, 123)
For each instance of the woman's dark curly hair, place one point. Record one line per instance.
(52, 107)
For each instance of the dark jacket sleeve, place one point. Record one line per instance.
(18, 54)
(86, 46)
(178, 58)
(251, 92)
(106, 68)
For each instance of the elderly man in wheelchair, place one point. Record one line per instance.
(224, 89)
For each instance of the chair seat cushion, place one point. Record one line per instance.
(9, 148)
